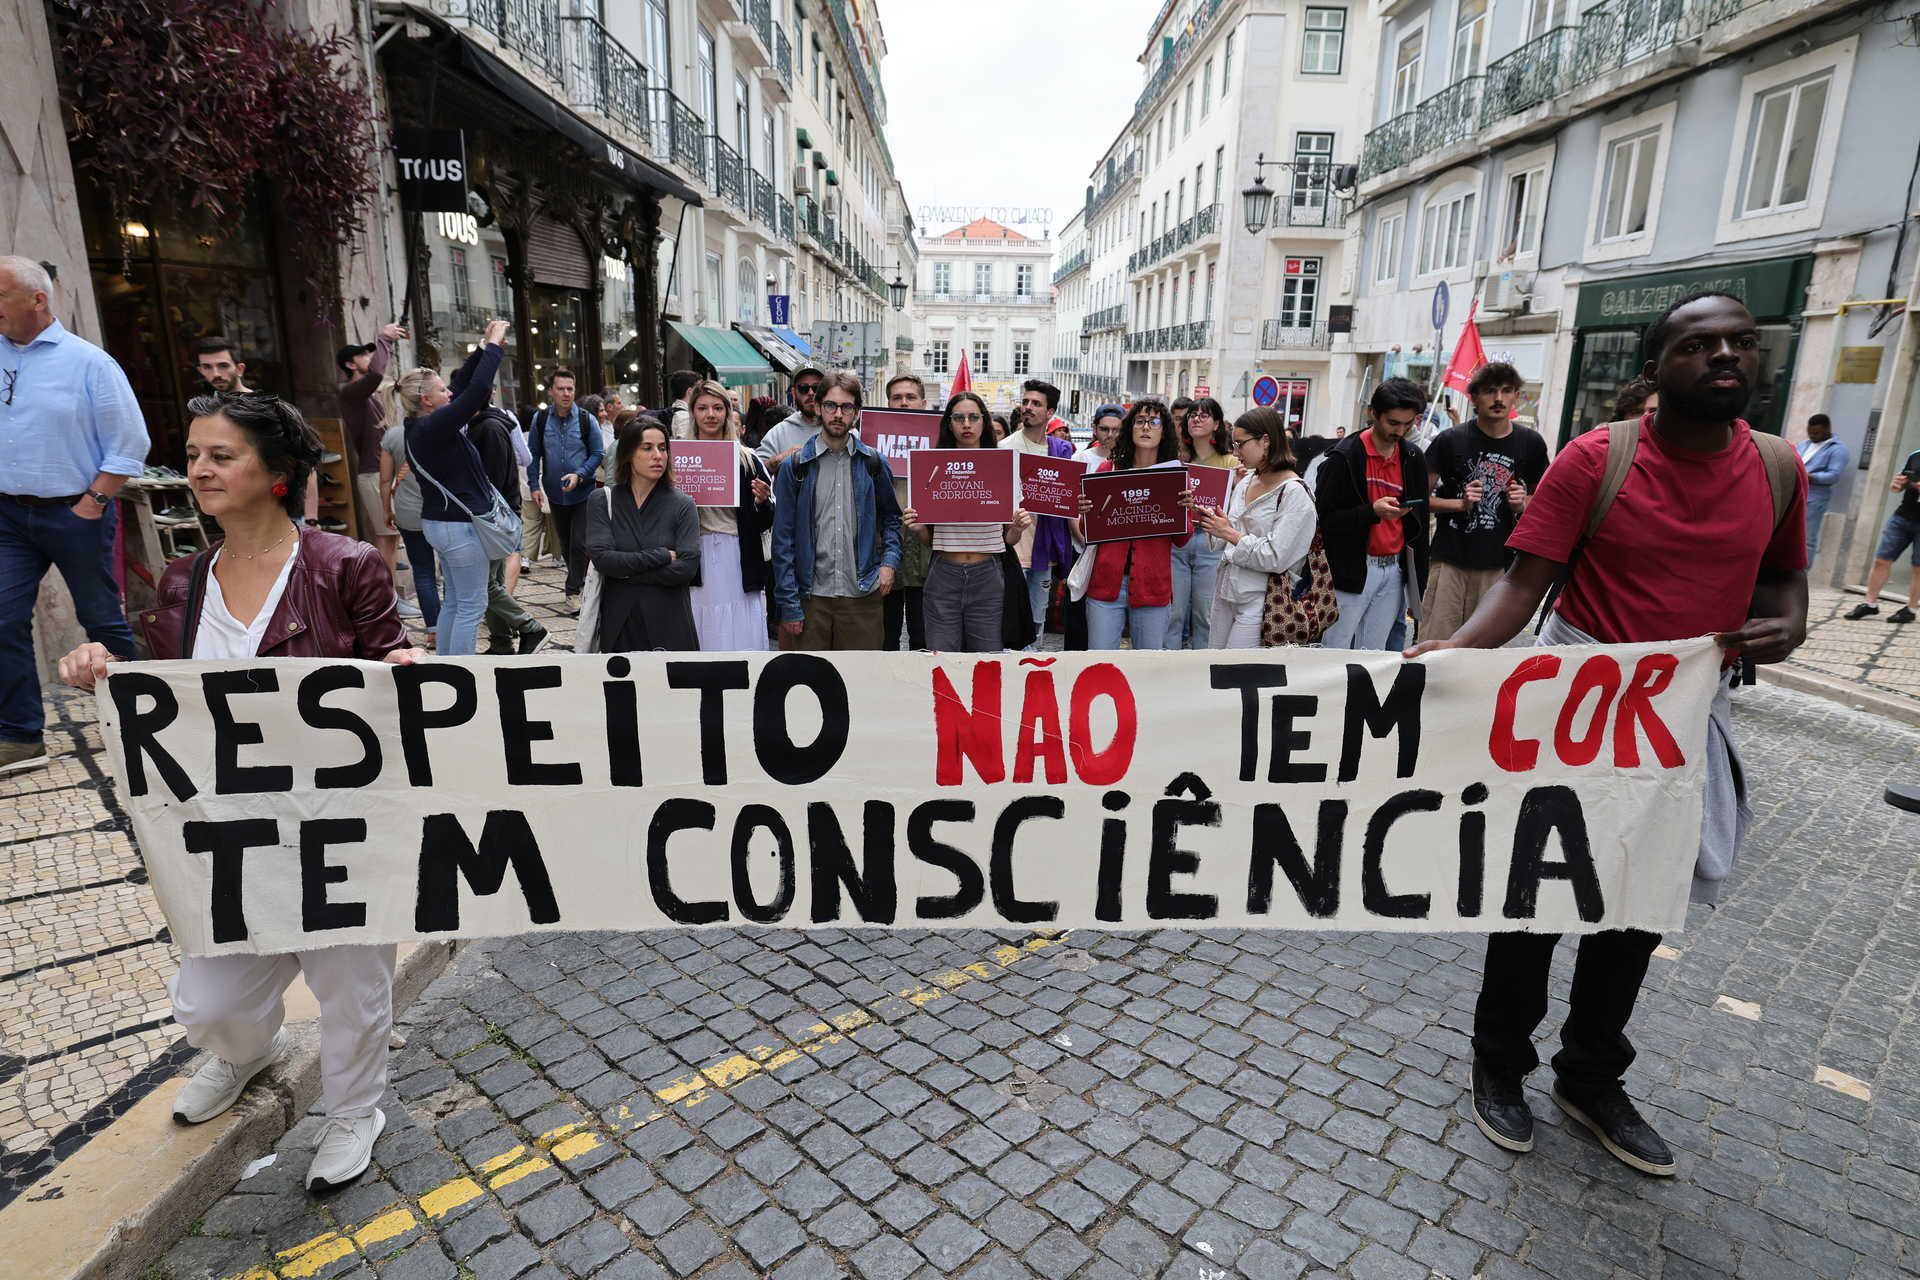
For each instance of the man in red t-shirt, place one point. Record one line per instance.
(1690, 547)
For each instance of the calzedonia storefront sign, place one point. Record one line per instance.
(433, 169)
(1773, 288)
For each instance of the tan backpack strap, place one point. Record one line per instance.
(1782, 464)
(1623, 441)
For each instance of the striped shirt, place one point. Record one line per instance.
(987, 538)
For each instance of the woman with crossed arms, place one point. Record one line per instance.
(272, 590)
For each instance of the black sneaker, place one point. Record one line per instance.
(1860, 611)
(497, 648)
(1902, 614)
(531, 640)
(1611, 1116)
(1501, 1111)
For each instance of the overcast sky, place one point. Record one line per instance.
(1008, 102)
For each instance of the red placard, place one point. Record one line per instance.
(1142, 503)
(1210, 485)
(1050, 486)
(961, 486)
(897, 432)
(708, 471)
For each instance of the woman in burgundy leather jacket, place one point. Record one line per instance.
(274, 590)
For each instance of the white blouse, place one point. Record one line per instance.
(220, 634)
(1276, 532)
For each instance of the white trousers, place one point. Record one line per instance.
(1237, 626)
(232, 1005)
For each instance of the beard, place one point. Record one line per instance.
(1708, 403)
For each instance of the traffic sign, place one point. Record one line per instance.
(1201, 389)
(1440, 305)
(1265, 391)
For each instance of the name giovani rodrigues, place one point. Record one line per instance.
(1034, 812)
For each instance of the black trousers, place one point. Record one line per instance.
(566, 531)
(1607, 973)
(902, 609)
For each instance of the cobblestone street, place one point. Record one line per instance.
(890, 1105)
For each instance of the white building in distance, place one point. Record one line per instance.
(984, 289)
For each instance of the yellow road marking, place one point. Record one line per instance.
(571, 1141)
(1739, 1008)
(1841, 1082)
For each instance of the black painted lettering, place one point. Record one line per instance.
(1113, 856)
(1249, 678)
(314, 713)
(317, 913)
(679, 814)
(409, 688)
(1546, 812)
(782, 758)
(1287, 708)
(871, 886)
(1317, 885)
(230, 733)
(140, 732)
(506, 840)
(712, 679)
(1166, 859)
(1006, 900)
(1374, 894)
(228, 842)
(1473, 852)
(750, 819)
(511, 685)
(622, 702)
(971, 884)
(1368, 713)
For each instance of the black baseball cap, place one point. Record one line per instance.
(351, 350)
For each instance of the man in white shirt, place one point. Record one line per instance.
(1106, 429)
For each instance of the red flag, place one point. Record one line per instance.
(1468, 355)
(963, 380)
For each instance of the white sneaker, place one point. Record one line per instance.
(344, 1150)
(407, 609)
(219, 1084)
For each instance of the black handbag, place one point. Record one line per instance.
(1017, 629)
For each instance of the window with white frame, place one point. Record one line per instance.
(982, 356)
(1186, 109)
(1469, 38)
(1206, 89)
(1323, 43)
(1023, 279)
(1544, 15)
(502, 291)
(1193, 292)
(939, 355)
(983, 279)
(1446, 233)
(1299, 293)
(1388, 233)
(1180, 205)
(462, 284)
(1312, 162)
(1226, 64)
(943, 278)
(1208, 314)
(1022, 359)
(1628, 185)
(1783, 142)
(1520, 223)
(1219, 171)
(1408, 56)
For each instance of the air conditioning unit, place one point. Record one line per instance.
(1509, 291)
(802, 180)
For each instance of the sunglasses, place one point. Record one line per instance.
(807, 389)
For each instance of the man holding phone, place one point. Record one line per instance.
(1901, 531)
(1372, 495)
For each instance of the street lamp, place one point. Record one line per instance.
(1086, 341)
(1258, 198)
(898, 289)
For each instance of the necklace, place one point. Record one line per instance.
(291, 530)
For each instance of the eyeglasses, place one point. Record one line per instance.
(967, 418)
(13, 376)
(839, 406)
(1146, 422)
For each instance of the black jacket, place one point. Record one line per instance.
(1347, 516)
(490, 432)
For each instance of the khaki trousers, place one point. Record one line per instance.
(1452, 595)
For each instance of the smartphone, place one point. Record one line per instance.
(1411, 502)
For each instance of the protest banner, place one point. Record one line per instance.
(961, 486)
(1139, 503)
(895, 433)
(708, 471)
(295, 803)
(1050, 486)
(1210, 485)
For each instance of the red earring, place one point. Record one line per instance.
(279, 489)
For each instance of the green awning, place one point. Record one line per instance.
(805, 139)
(833, 179)
(819, 161)
(735, 363)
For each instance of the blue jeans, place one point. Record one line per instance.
(1896, 536)
(1194, 568)
(1039, 593)
(1818, 498)
(1368, 616)
(464, 562)
(31, 540)
(1148, 624)
(425, 584)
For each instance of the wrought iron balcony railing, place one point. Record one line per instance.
(760, 14)
(1528, 76)
(760, 191)
(1617, 32)
(601, 76)
(729, 174)
(783, 56)
(980, 299)
(1114, 317)
(1071, 265)
(786, 218)
(1191, 336)
(1173, 61)
(1288, 334)
(1201, 225)
(1116, 177)
(1449, 116)
(1387, 146)
(528, 28)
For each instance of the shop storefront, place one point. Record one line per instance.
(1611, 317)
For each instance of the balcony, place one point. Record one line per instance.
(1289, 334)
(1117, 177)
(729, 173)
(903, 344)
(1192, 336)
(1066, 364)
(807, 213)
(600, 76)
(1183, 48)
(1387, 147)
(1195, 229)
(1101, 384)
(680, 126)
(1114, 317)
(1527, 77)
(783, 57)
(1449, 116)
(761, 201)
(786, 218)
(1077, 262)
(1617, 32)
(980, 299)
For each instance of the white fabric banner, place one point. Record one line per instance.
(296, 803)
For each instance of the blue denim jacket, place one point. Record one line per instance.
(876, 534)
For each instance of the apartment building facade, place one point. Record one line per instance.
(984, 289)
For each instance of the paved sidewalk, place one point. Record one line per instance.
(744, 1103)
(1877, 655)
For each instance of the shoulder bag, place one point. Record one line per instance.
(498, 528)
(586, 633)
(1300, 606)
